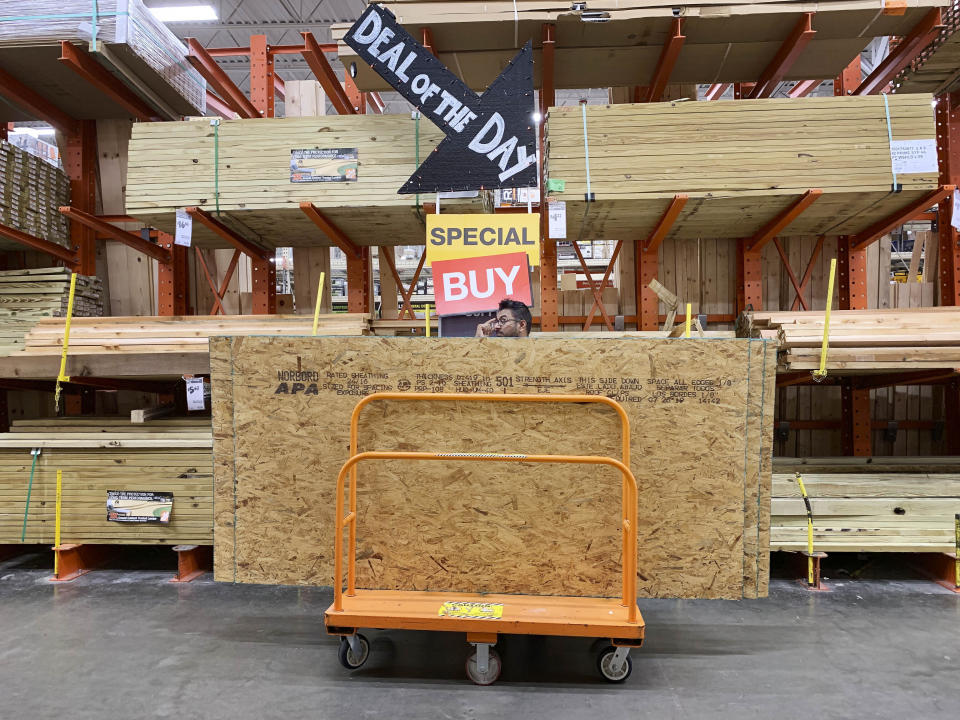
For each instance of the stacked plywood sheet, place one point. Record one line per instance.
(101, 454)
(281, 409)
(741, 164)
(725, 41)
(31, 191)
(244, 169)
(95, 336)
(867, 504)
(125, 37)
(903, 339)
(26, 296)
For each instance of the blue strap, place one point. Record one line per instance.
(886, 106)
(586, 149)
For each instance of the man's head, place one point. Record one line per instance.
(513, 319)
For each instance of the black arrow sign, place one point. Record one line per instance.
(490, 140)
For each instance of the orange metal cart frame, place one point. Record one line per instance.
(616, 618)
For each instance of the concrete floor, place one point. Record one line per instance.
(126, 644)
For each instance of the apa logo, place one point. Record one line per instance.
(294, 388)
(403, 385)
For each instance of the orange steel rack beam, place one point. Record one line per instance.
(616, 618)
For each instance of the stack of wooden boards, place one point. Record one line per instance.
(123, 35)
(243, 172)
(26, 296)
(741, 164)
(903, 339)
(31, 190)
(866, 504)
(101, 454)
(94, 336)
(725, 42)
(937, 70)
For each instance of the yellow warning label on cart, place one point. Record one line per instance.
(474, 610)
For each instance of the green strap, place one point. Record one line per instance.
(26, 508)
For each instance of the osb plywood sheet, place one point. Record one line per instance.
(699, 432)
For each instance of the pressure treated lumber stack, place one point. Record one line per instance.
(94, 336)
(725, 41)
(31, 190)
(867, 504)
(26, 296)
(741, 164)
(904, 339)
(248, 162)
(101, 454)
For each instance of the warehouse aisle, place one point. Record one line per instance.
(128, 644)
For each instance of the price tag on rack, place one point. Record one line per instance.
(195, 393)
(184, 232)
(558, 220)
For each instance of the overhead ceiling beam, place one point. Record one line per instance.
(668, 59)
(127, 238)
(665, 223)
(58, 251)
(94, 73)
(239, 242)
(219, 81)
(326, 76)
(786, 56)
(38, 106)
(881, 228)
(335, 234)
(924, 33)
(781, 221)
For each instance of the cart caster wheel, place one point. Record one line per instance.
(611, 673)
(493, 669)
(352, 660)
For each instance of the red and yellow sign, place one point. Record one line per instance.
(452, 237)
(478, 284)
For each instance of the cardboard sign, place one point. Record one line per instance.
(134, 506)
(450, 237)
(490, 140)
(474, 285)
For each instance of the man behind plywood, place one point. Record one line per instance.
(513, 320)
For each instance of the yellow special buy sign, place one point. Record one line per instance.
(452, 237)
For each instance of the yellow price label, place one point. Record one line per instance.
(473, 610)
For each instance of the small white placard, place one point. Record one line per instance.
(914, 156)
(195, 400)
(558, 220)
(184, 234)
(955, 215)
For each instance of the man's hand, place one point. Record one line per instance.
(487, 329)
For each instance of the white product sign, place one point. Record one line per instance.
(184, 234)
(914, 156)
(558, 220)
(955, 215)
(195, 400)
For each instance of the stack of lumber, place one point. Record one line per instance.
(92, 336)
(741, 164)
(31, 190)
(903, 339)
(725, 42)
(101, 454)
(185, 164)
(129, 41)
(28, 295)
(937, 69)
(866, 504)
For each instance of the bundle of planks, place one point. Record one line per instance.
(725, 41)
(91, 336)
(100, 454)
(28, 295)
(740, 164)
(255, 173)
(903, 339)
(866, 504)
(31, 190)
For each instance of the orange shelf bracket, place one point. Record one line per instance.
(924, 33)
(881, 228)
(665, 223)
(779, 223)
(127, 238)
(204, 64)
(38, 106)
(65, 254)
(94, 73)
(716, 90)
(786, 56)
(315, 58)
(668, 59)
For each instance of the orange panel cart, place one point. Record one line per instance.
(482, 616)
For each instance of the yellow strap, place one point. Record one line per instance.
(56, 527)
(803, 491)
(822, 372)
(62, 376)
(686, 329)
(426, 315)
(316, 309)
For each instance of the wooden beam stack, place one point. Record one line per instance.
(866, 504)
(241, 172)
(31, 190)
(904, 339)
(740, 164)
(101, 454)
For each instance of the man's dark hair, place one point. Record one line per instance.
(520, 311)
